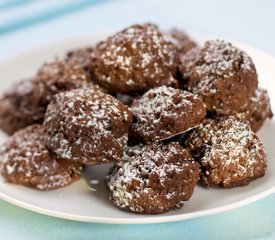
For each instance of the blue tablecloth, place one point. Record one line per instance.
(255, 221)
(28, 24)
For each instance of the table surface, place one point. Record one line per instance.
(25, 24)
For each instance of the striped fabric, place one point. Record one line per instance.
(18, 14)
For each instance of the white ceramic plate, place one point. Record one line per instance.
(88, 200)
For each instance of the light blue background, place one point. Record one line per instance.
(248, 21)
(255, 221)
(24, 26)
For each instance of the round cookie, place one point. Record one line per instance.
(164, 112)
(59, 76)
(25, 160)
(81, 57)
(153, 178)
(180, 39)
(26, 102)
(229, 152)
(19, 108)
(135, 60)
(87, 126)
(223, 76)
(257, 110)
(187, 62)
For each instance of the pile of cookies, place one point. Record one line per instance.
(166, 112)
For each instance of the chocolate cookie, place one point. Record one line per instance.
(135, 60)
(153, 178)
(164, 112)
(25, 160)
(81, 57)
(19, 108)
(59, 76)
(223, 76)
(26, 102)
(87, 126)
(180, 39)
(187, 62)
(229, 152)
(257, 110)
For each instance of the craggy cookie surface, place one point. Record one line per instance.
(26, 102)
(19, 107)
(25, 160)
(163, 112)
(135, 60)
(181, 40)
(223, 76)
(229, 152)
(153, 178)
(257, 110)
(131, 100)
(87, 126)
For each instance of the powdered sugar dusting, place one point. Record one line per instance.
(180, 39)
(257, 109)
(138, 55)
(25, 160)
(230, 151)
(223, 76)
(220, 60)
(140, 167)
(160, 104)
(24, 87)
(81, 121)
(81, 57)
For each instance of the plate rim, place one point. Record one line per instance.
(142, 220)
